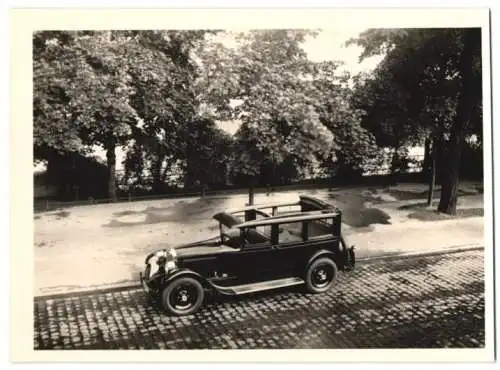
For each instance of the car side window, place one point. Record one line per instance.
(260, 215)
(264, 230)
(290, 232)
(257, 235)
(320, 229)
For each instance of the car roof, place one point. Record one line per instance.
(280, 219)
(319, 203)
(303, 199)
(227, 219)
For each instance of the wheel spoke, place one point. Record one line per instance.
(183, 297)
(322, 275)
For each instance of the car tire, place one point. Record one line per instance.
(183, 296)
(320, 275)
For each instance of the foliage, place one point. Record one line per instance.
(161, 93)
(266, 73)
(209, 154)
(162, 73)
(107, 88)
(100, 90)
(54, 68)
(413, 92)
(353, 146)
(86, 74)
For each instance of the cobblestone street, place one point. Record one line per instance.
(433, 301)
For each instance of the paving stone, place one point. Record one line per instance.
(431, 302)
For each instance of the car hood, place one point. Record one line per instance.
(210, 242)
(202, 247)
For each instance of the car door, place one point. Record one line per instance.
(246, 262)
(256, 260)
(290, 248)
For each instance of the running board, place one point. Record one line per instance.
(257, 287)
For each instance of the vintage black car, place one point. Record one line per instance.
(291, 244)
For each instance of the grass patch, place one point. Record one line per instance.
(432, 215)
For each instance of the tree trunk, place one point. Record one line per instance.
(164, 173)
(157, 175)
(426, 165)
(55, 173)
(251, 195)
(191, 182)
(432, 171)
(394, 174)
(111, 162)
(468, 92)
(449, 188)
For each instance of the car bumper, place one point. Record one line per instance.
(144, 283)
(351, 258)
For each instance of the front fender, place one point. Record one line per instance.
(165, 279)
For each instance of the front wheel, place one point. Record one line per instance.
(183, 296)
(320, 275)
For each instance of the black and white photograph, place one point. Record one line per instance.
(245, 186)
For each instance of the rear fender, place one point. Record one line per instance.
(321, 253)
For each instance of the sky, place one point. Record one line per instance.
(327, 45)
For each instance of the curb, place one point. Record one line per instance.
(451, 250)
(87, 291)
(362, 261)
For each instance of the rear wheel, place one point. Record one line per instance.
(183, 296)
(321, 275)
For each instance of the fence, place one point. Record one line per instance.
(44, 205)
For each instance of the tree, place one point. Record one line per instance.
(89, 77)
(108, 88)
(293, 112)
(162, 73)
(427, 86)
(207, 160)
(175, 97)
(101, 95)
(268, 74)
(467, 99)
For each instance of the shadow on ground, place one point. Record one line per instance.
(403, 195)
(416, 206)
(182, 211)
(359, 208)
(58, 215)
(356, 214)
